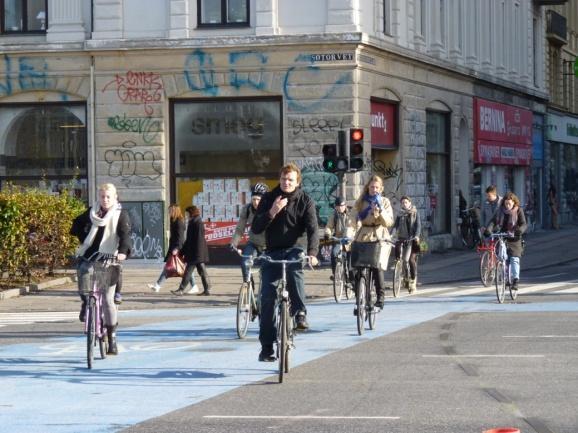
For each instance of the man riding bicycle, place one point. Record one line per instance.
(256, 243)
(490, 207)
(340, 225)
(285, 215)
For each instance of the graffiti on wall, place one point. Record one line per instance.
(126, 163)
(141, 88)
(28, 73)
(146, 127)
(147, 231)
(323, 188)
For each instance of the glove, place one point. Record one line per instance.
(517, 233)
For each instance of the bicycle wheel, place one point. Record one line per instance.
(467, 235)
(513, 293)
(283, 340)
(243, 310)
(486, 269)
(348, 282)
(102, 340)
(371, 299)
(500, 282)
(397, 278)
(360, 303)
(338, 281)
(91, 333)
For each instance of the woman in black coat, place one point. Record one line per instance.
(510, 218)
(176, 240)
(196, 253)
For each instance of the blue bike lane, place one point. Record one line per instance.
(172, 363)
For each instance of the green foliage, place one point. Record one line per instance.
(34, 232)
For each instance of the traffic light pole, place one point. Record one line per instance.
(342, 184)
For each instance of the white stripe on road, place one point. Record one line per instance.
(296, 417)
(551, 275)
(483, 356)
(540, 336)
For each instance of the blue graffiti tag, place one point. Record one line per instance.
(206, 75)
(236, 80)
(32, 74)
(6, 87)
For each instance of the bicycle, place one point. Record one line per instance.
(401, 272)
(488, 261)
(469, 228)
(341, 281)
(285, 326)
(502, 272)
(247, 304)
(94, 313)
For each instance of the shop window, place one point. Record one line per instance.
(44, 146)
(438, 172)
(219, 13)
(24, 16)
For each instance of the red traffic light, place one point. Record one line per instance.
(356, 134)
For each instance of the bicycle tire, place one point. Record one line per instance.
(243, 311)
(102, 340)
(397, 278)
(371, 299)
(348, 290)
(283, 340)
(338, 282)
(360, 303)
(513, 293)
(500, 282)
(467, 235)
(91, 331)
(486, 269)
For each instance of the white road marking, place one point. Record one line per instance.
(540, 336)
(483, 356)
(296, 417)
(552, 275)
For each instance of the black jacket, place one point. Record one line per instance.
(289, 225)
(501, 222)
(195, 248)
(82, 225)
(176, 236)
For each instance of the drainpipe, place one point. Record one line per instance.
(92, 138)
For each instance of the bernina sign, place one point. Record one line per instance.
(503, 134)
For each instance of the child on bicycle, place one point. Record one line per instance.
(510, 219)
(256, 243)
(408, 226)
(340, 225)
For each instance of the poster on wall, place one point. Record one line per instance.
(383, 125)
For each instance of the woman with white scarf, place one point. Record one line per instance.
(105, 229)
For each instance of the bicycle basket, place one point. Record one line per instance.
(365, 254)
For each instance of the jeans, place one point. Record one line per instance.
(188, 277)
(270, 278)
(409, 256)
(163, 277)
(249, 250)
(514, 268)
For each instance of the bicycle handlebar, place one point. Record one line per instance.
(502, 235)
(97, 256)
(343, 241)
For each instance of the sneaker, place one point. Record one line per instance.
(267, 354)
(178, 292)
(154, 287)
(192, 290)
(117, 298)
(379, 304)
(301, 322)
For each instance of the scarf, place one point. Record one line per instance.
(108, 220)
(406, 219)
(371, 199)
(512, 221)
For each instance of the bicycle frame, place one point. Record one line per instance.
(341, 282)
(401, 273)
(502, 271)
(365, 297)
(247, 309)
(488, 260)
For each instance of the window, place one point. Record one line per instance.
(218, 13)
(387, 17)
(44, 146)
(24, 16)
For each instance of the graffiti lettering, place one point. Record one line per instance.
(32, 74)
(138, 88)
(146, 247)
(305, 148)
(238, 79)
(149, 128)
(322, 187)
(204, 80)
(126, 163)
(315, 125)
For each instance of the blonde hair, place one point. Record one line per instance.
(175, 212)
(359, 202)
(108, 187)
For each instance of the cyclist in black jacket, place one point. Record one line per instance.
(285, 214)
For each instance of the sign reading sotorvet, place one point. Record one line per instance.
(332, 57)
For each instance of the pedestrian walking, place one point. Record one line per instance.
(552, 198)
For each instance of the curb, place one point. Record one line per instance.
(14, 293)
(35, 288)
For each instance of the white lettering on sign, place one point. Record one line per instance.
(489, 152)
(492, 119)
(331, 57)
(378, 120)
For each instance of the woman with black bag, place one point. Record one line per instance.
(176, 240)
(374, 216)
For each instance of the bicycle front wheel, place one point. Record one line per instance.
(102, 340)
(338, 282)
(500, 282)
(360, 303)
(91, 332)
(371, 298)
(513, 293)
(467, 235)
(397, 278)
(486, 270)
(243, 311)
(283, 349)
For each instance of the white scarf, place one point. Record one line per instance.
(109, 243)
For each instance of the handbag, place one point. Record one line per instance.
(175, 266)
(366, 254)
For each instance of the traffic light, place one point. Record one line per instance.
(356, 149)
(332, 161)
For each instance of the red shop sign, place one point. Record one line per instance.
(221, 233)
(383, 125)
(503, 134)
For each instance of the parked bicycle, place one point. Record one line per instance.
(469, 227)
(488, 261)
(283, 318)
(502, 277)
(401, 271)
(342, 284)
(247, 301)
(94, 323)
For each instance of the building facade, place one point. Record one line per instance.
(192, 101)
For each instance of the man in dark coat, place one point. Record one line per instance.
(196, 253)
(285, 214)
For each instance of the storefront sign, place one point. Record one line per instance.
(563, 129)
(503, 134)
(332, 57)
(383, 125)
(221, 233)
